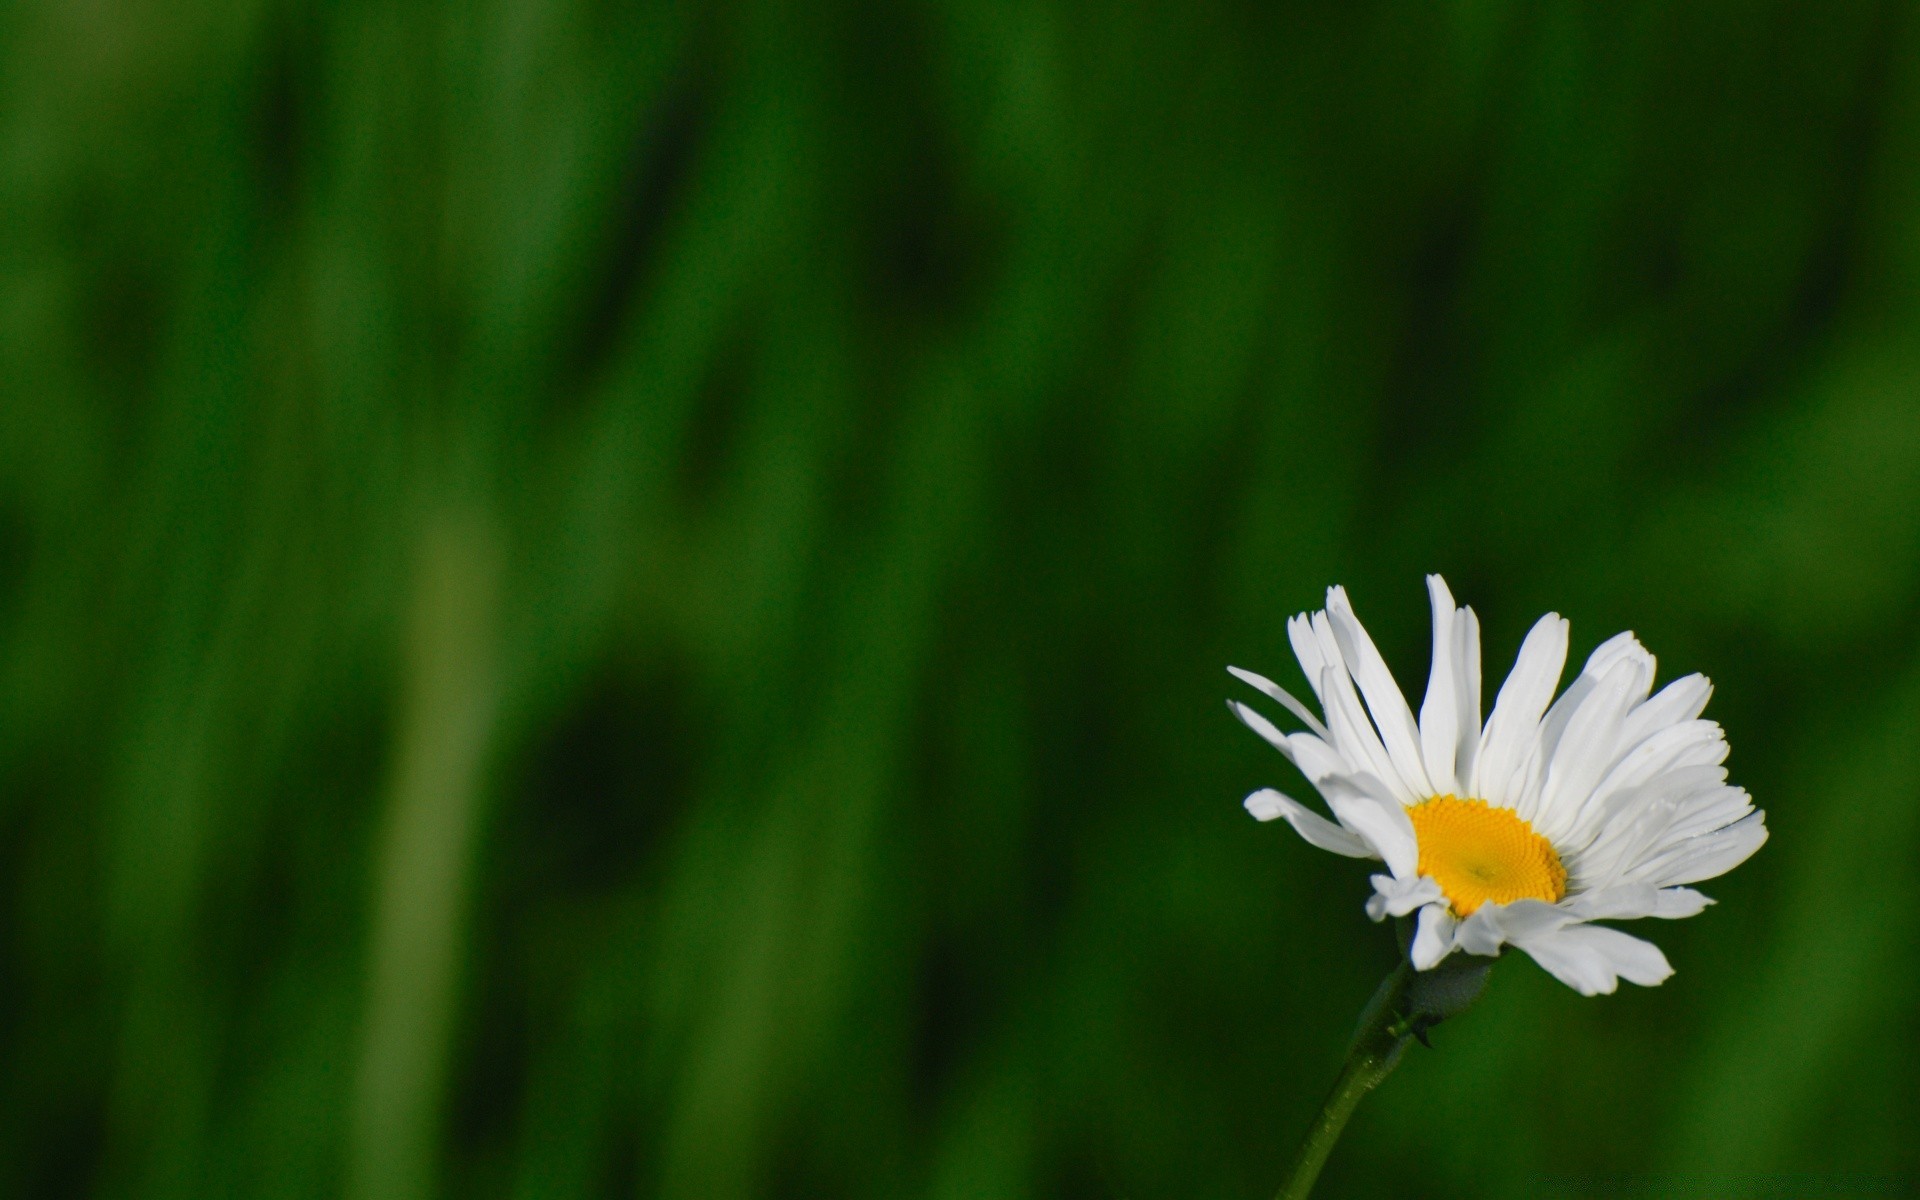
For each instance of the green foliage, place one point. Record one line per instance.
(609, 601)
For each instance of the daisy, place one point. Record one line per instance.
(1597, 806)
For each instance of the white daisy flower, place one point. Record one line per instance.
(1596, 806)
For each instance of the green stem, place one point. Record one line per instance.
(1377, 1045)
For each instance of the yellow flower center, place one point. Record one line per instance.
(1478, 853)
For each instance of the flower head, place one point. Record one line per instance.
(1554, 813)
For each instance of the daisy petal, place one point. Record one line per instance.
(1315, 758)
(1512, 731)
(1635, 960)
(1682, 700)
(1276, 692)
(1677, 903)
(1592, 959)
(1621, 647)
(1480, 933)
(1635, 900)
(1689, 744)
(1398, 897)
(1589, 745)
(1432, 938)
(1385, 702)
(1440, 712)
(1466, 675)
(1706, 856)
(1526, 918)
(1260, 725)
(1364, 805)
(1354, 736)
(1307, 648)
(1267, 804)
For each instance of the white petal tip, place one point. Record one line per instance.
(1265, 805)
(1253, 679)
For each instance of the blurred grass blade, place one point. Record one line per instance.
(423, 863)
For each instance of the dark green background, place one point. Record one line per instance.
(610, 601)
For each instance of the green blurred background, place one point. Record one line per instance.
(631, 601)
